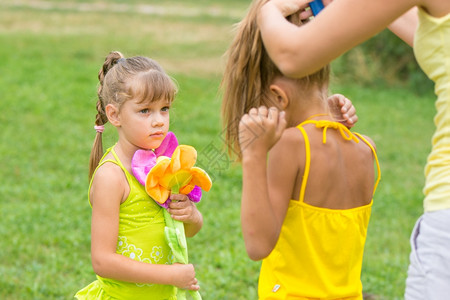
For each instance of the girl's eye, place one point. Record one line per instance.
(165, 108)
(144, 111)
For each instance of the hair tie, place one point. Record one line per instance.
(99, 128)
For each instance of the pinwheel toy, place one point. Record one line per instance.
(163, 175)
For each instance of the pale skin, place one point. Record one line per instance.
(269, 184)
(140, 126)
(302, 50)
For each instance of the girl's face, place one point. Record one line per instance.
(145, 124)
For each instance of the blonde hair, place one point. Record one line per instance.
(121, 79)
(249, 71)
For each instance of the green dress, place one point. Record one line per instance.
(141, 237)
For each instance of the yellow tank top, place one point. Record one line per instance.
(432, 50)
(141, 237)
(319, 251)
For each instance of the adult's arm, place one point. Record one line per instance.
(405, 26)
(302, 50)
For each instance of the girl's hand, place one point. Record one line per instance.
(184, 210)
(342, 110)
(184, 277)
(260, 129)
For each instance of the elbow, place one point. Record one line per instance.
(259, 244)
(293, 65)
(98, 265)
(287, 60)
(288, 69)
(257, 255)
(258, 252)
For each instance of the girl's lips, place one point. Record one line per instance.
(157, 135)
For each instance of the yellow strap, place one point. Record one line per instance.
(376, 160)
(307, 163)
(325, 124)
(345, 133)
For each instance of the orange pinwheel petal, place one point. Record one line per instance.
(184, 157)
(187, 189)
(158, 171)
(176, 174)
(180, 178)
(201, 178)
(159, 194)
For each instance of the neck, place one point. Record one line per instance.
(125, 151)
(312, 108)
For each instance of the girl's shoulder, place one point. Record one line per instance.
(369, 141)
(109, 177)
(290, 145)
(292, 136)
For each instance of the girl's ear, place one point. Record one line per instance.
(279, 96)
(112, 112)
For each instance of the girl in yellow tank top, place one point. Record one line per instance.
(308, 188)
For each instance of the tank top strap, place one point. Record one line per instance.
(325, 124)
(115, 161)
(307, 163)
(376, 160)
(345, 133)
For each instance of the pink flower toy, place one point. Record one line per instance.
(162, 175)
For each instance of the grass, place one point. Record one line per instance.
(50, 58)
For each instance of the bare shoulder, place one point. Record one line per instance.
(109, 179)
(291, 136)
(370, 141)
(289, 146)
(109, 174)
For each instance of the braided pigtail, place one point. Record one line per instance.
(121, 79)
(101, 119)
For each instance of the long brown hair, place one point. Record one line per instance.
(249, 71)
(121, 79)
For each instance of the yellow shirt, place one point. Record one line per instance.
(319, 251)
(432, 50)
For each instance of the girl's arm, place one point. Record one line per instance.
(302, 50)
(405, 26)
(186, 211)
(109, 188)
(266, 190)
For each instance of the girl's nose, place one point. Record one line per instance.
(158, 121)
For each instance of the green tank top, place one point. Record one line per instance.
(141, 237)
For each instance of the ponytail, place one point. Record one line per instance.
(101, 119)
(248, 73)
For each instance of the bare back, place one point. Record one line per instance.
(341, 174)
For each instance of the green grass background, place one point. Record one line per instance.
(50, 54)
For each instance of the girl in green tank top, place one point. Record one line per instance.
(130, 255)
